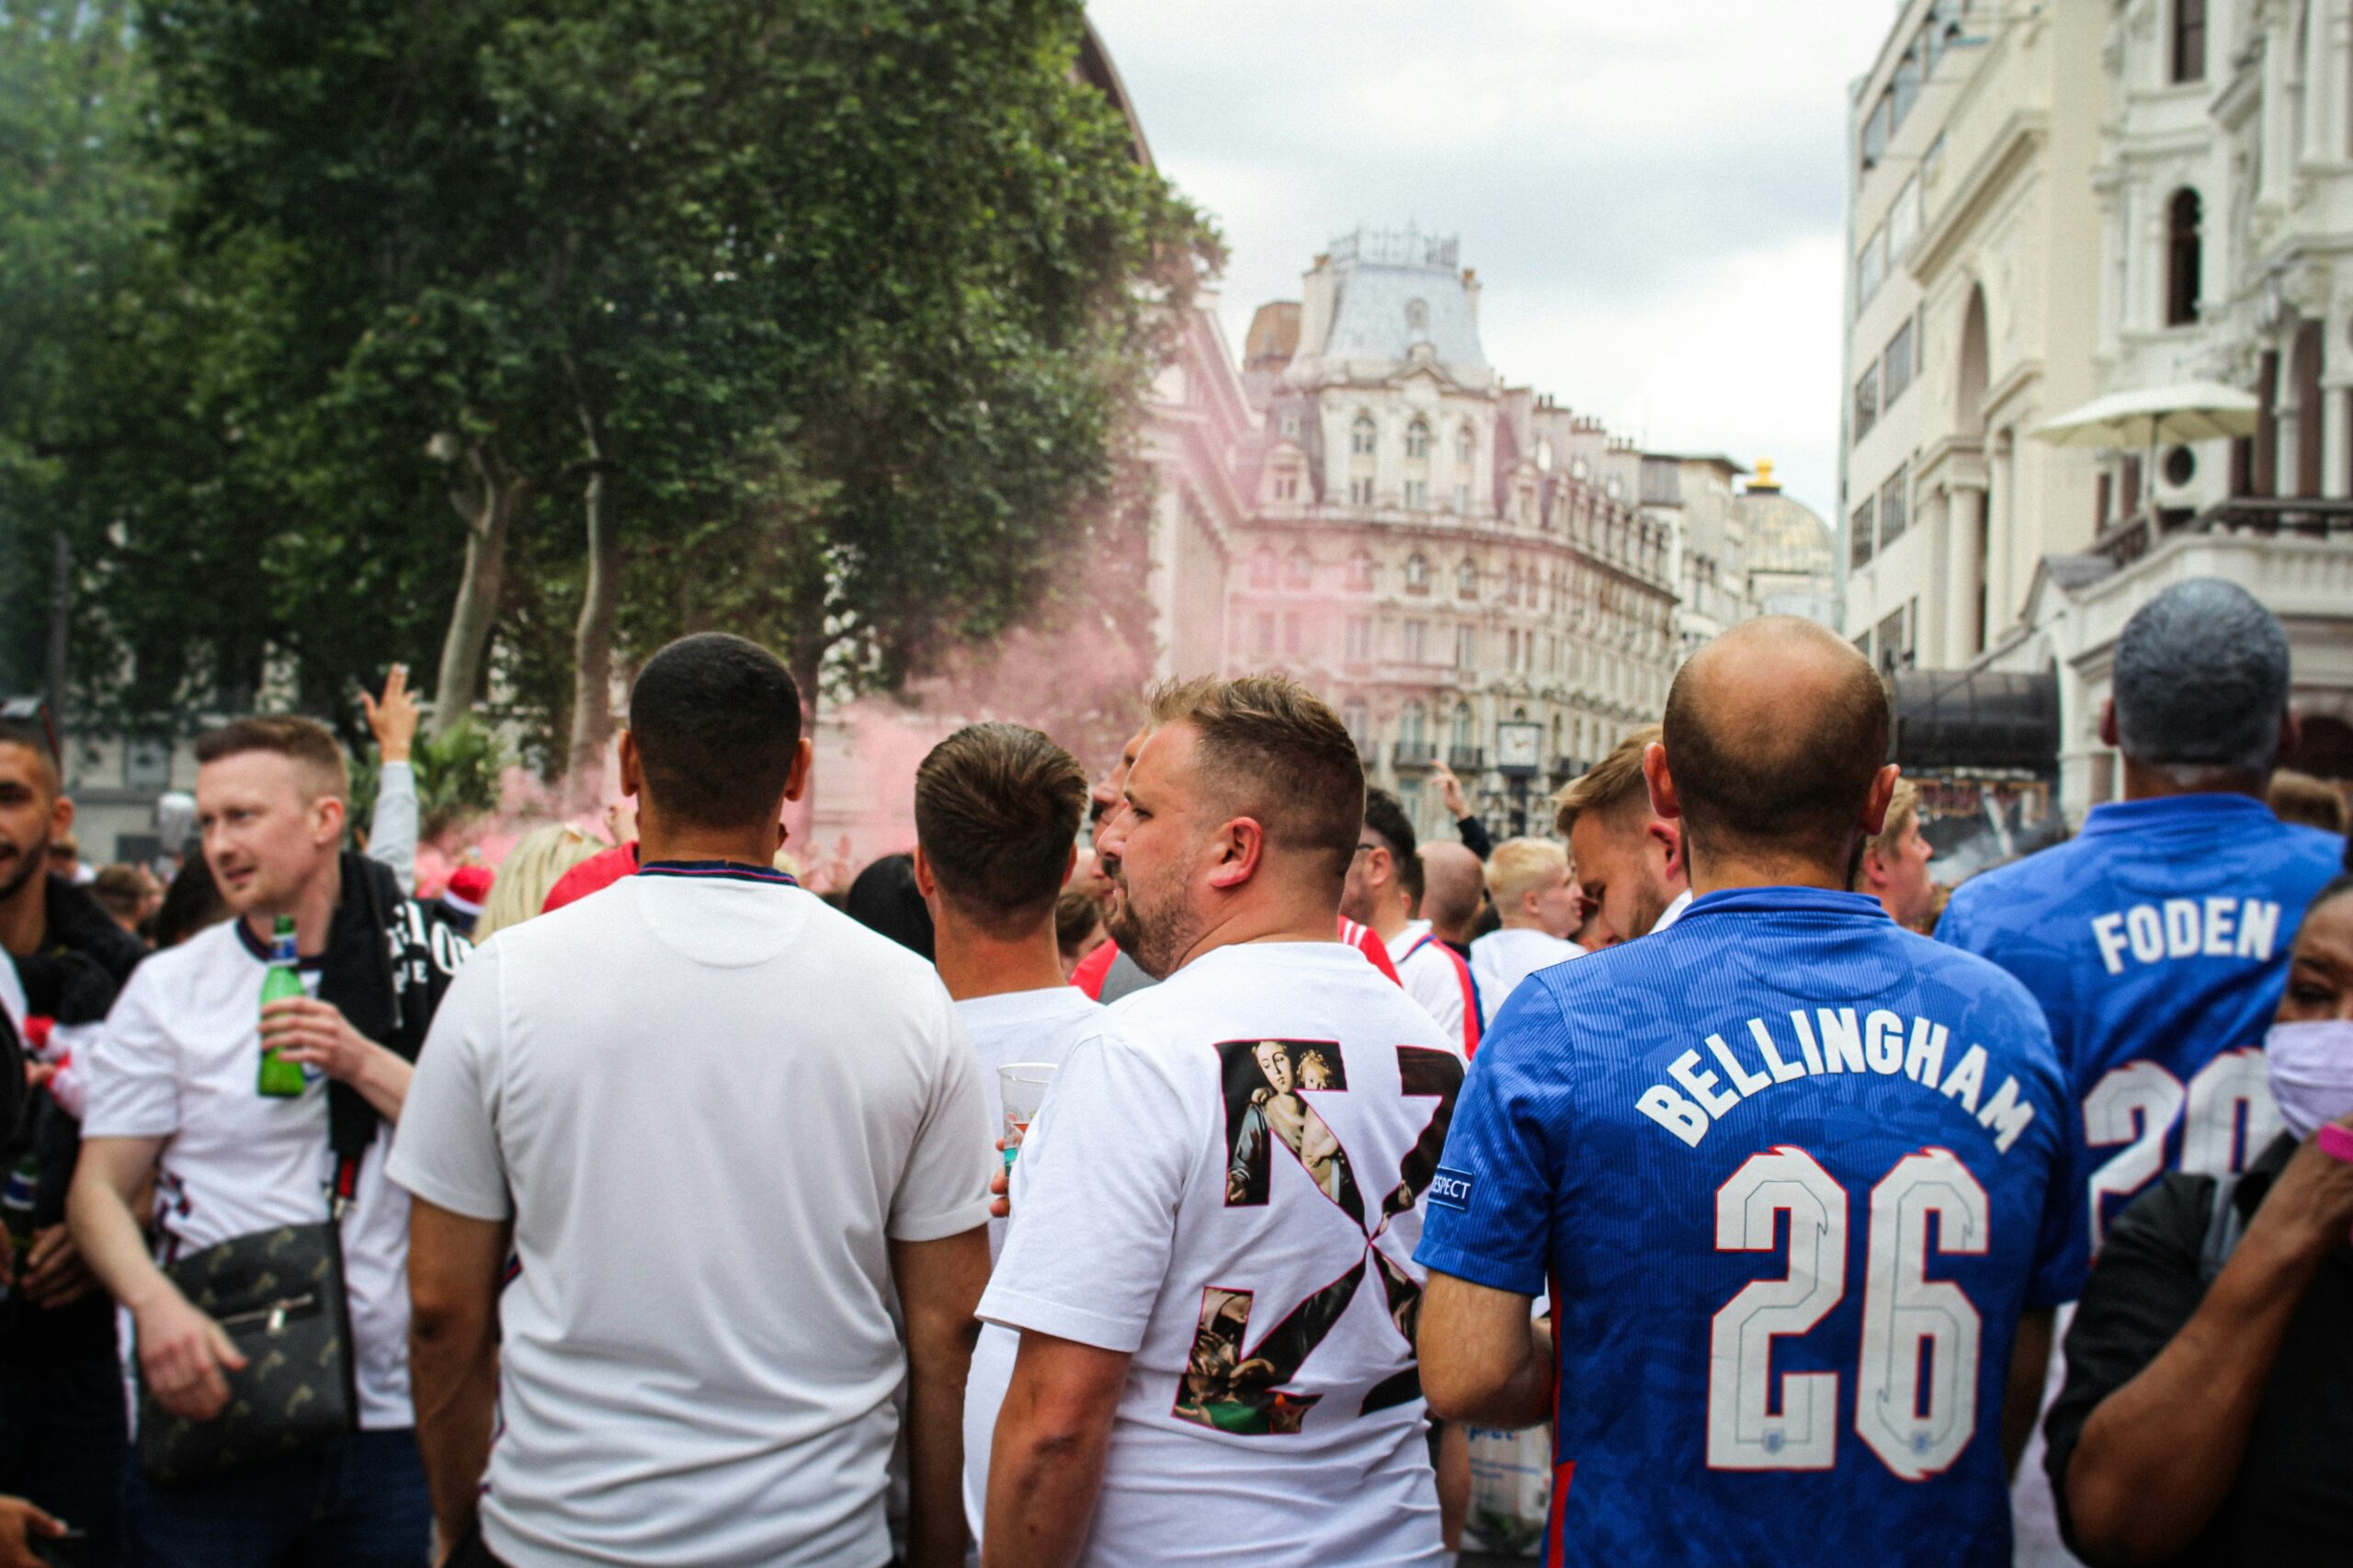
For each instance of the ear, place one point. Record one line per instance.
(1668, 835)
(2108, 724)
(1070, 864)
(61, 815)
(332, 815)
(1662, 782)
(632, 769)
(1874, 871)
(1235, 852)
(796, 784)
(1875, 804)
(925, 883)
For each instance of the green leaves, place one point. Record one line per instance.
(858, 296)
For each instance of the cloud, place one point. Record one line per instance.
(1652, 194)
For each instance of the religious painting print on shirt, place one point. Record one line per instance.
(1230, 1384)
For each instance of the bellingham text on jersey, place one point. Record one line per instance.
(2188, 928)
(1832, 1040)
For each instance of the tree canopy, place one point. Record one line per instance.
(513, 338)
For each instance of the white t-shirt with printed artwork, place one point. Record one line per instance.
(1019, 1025)
(708, 1102)
(179, 1060)
(1227, 1184)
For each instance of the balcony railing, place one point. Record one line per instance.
(2261, 515)
(1414, 753)
(1565, 769)
(1466, 759)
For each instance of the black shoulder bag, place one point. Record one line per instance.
(279, 1294)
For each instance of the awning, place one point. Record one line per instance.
(1948, 719)
(2187, 411)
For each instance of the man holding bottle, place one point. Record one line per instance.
(187, 1083)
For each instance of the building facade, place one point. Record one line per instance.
(1464, 569)
(2224, 190)
(1972, 304)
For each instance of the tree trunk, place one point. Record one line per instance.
(487, 515)
(592, 638)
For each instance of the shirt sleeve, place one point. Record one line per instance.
(1094, 1198)
(945, 1190)
(1488, 1207)
(391, 831)
(1475, 836)
(445, 1148)
(131, 1079)
(2144, 1288)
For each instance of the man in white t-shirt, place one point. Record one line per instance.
(1540, 903)
(173, 1094)
(1212, 1215)
(1383, 891)
(996, 819)
(724, 1126)
(1629, 858)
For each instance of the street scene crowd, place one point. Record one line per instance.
(631, 1203)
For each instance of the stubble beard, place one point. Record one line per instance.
(32, 860)
(1157, 935)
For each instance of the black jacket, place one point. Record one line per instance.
(71, 979)
(2291, 1501)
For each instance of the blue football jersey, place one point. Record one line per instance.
(2156, 941)
(1791, 1175)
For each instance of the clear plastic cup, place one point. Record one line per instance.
(1022, 1086)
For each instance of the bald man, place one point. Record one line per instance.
(1453, 886)
(1795, 1177)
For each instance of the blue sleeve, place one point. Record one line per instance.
(1488, 1217)
(2062, 1247)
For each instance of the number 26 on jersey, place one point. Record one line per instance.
(1915, 1382)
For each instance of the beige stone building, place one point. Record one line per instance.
(2225, 194)
(1464, 568)
(1973, 305)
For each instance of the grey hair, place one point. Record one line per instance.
(2200, 682)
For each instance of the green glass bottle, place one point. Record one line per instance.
(281, 1079)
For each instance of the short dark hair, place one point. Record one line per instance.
(1764, 781)
(884, 899)
(716, 721)
(1077, 915)
(1384, 815)
(34, 737)
(1276, 751)
(997, 811)
(306, 743)
(2201, 680)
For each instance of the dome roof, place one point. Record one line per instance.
(1784, 535)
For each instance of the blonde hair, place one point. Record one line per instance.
(1521, 866)
(2301, 797)
(1616, 781)
(1902, 810)
(536, 863)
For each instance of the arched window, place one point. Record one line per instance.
(1417, 440)
(1462, 738)
(1465, 446)
(1417, 575)
(1411, 731)
(1360, 436)
(1466, 579)
(1358, 720)
(1360, 572)
(1298, 571)
(1262, 567)
(2182, 258)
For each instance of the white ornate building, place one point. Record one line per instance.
(2225, 193)
(1464, 568)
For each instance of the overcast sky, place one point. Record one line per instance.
(1652, 192)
